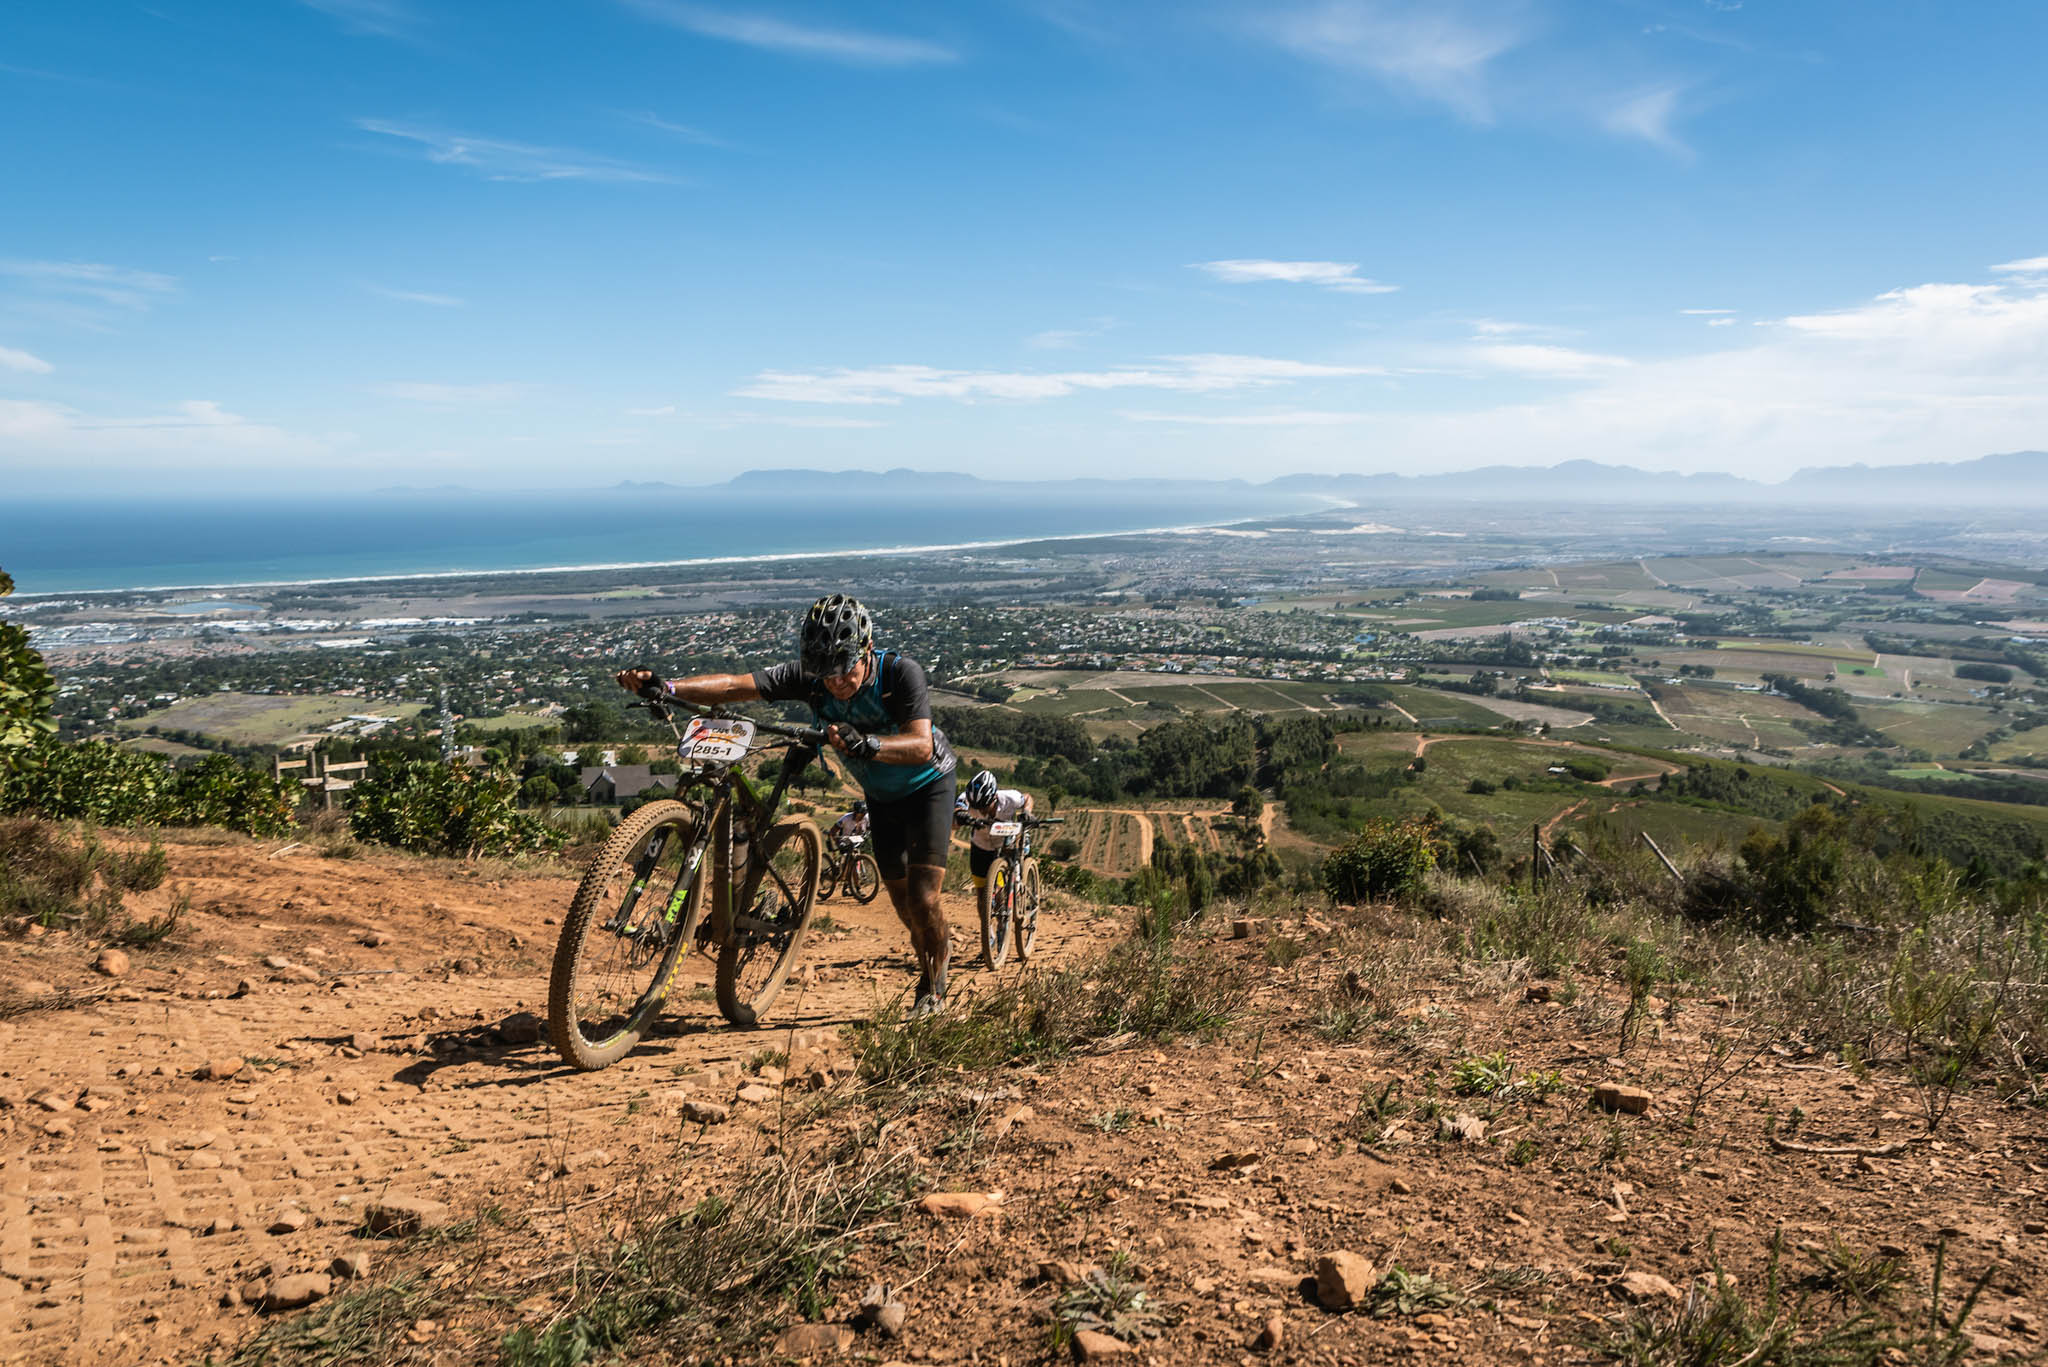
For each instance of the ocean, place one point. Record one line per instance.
(73, 545)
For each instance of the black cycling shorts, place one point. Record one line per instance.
(980, 861)
(917, 829)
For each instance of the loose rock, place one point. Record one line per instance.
(290, 1222)
(1645, 1286)
(350, 1267)
(301, 1288)
(706, 1112)
(957, 1205)
(1269, 1335)
(813, 1340)
(112, 963)
(403, 1215)
(1616, 1096)
(521, 1027)
(1343, 1280)
(221, 1069)
(754, 1093)
(1089, 1346)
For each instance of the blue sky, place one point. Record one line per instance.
(310, 244)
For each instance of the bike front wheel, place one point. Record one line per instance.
(1025, 927)
(863, 878)
(995, 915)
(633, 915)
(828, 882)
(771, 916)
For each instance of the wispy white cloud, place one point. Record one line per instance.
(198, 431)
(498, 159)
(1501, 327)
(1931, 372)
(851, 47)
(380, 18)
(894, 383)
(12, 359)
(1438, 51)
(115, 286)
(1066, 339)
(445, 301)
(1298, 417)
(1648, 114)
(1541, 362)
(417, 391)
(683, 131)
(1341, 276)
(812, 422)
(2032, 265)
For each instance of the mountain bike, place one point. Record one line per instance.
(1009, 914)
(711, 868)
(850, 869)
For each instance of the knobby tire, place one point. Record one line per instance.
(777, 900)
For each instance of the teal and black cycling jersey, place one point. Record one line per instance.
(895, 695)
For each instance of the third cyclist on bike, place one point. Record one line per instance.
(877, 708)
(983, 801)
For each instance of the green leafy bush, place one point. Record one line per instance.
(1388, 860)
(101, 783)
(446, 809)
(27, 692)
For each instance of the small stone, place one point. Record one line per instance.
(373, 939)
(1644, 1286)
(467, 967)
(57, 1127)
(813, 1340)
(1537, 992)
(754, 1094)
(889, 1319)
(957, 1205)
(301, 1288)
(1300, 1148)
(297, 973)
(350, 1267)
(276, 961)
(1233, 1162)
(348, 1097)
(1343, 1280)
(290, 1222)
(111, 963)
(52, 1100)
(1060, 1272)
(705, 1112)
(1269, 1336)
(222, 1224)
(1615, 1096)
(1089, 1345)
(223, 1068)
(402, 1215)
(522, 1027)
(243, 987)
(1399, 1187)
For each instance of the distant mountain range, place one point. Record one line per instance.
(2013, 478)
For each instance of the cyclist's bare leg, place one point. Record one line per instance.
(916, 899)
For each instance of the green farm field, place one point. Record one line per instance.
(263, 718)
(1939, 728)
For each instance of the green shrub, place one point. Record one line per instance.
(437, 808)
(27, 692)
(101, 783)
(1386, 860)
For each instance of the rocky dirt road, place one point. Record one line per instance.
(320, 1034)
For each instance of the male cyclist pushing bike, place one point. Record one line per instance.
(876, 708)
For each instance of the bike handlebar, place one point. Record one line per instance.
(812, 736)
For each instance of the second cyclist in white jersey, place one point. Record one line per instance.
(984, 801)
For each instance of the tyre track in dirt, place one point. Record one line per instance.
(143, 1192)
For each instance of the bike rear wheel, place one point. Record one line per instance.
(863, 878)
(995, 915)
(771, 916)
(830, 879)
(1029, 892)
(619, 949)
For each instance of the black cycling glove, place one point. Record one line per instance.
(858, 745)
(655, 689)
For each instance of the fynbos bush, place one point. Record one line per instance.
(101, 783)
(1385, 860)
(445, 809)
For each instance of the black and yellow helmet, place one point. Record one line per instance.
(837, 633)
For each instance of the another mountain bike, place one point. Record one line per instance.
(1009, 915)
(850, 869)
(711, 868)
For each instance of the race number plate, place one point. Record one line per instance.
(1003, 830)
(709, 741)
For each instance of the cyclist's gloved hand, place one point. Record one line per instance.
(855, 743)
(655, 688)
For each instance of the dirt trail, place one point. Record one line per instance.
(125, 1219)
